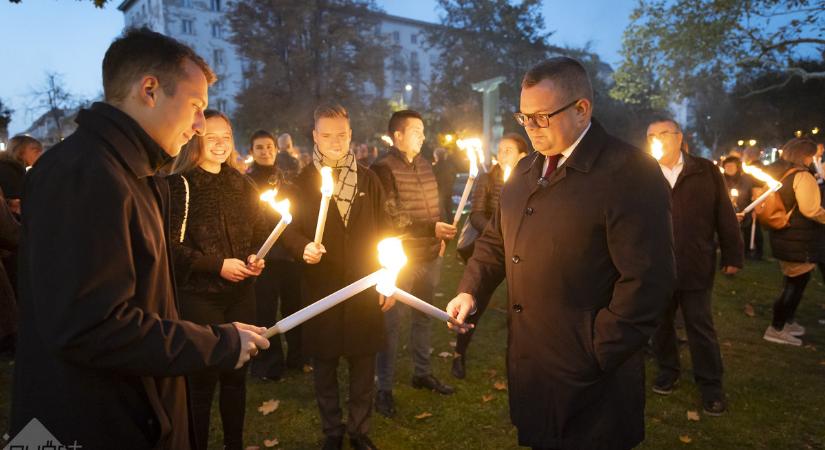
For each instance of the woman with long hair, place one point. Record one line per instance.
(511, 149)
(795, 245)
(215, 229)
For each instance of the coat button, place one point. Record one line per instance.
(517, 308)
(516, 259)
(528, 211)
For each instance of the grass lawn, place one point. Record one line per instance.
(776, 393)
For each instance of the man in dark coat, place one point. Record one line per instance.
(355, 223)
(101, 349)
(702, 213)
(583, 235)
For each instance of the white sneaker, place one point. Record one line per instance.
(781, 337)
(794, 328)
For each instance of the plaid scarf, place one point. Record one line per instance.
(345, 174)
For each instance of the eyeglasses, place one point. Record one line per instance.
(662, 134)
(540, 120)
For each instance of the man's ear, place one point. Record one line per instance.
(148, 92)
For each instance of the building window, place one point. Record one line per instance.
(187, 3)
(215, 5)
(217, 56)
(217, 30)
(221, 105)
(413, 38)
(415, 67)
(396, 37)
(187, 26)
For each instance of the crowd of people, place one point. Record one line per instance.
(147, 221)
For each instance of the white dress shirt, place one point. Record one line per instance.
(566, 152)
(673, 174)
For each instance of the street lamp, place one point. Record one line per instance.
(408, 87)
(740, 142)
(752, 142)
(815, 130)
(798, 133)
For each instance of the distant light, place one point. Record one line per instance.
(752, 142)
(740, 142)
(798, 133)
(2, 146)
(815, 130)
(408, 87)
(448, 138)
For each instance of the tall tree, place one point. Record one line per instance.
(5, 119)
(53, 99)
(672, 47)
(300, 53)
(479, 40)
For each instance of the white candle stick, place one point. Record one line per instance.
(326, 195)
(761, 198)
(282, 208)
(469, 145)
(392, 258)
(308, 312)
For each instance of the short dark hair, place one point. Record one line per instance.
(261, 134)
(797, 149)
(330, 111)
(568, 73)
(399, 117)
(141, 51)
(667, 119)
(521, 143)
(731, 160)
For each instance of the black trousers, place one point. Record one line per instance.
(704, 346)
(359, 405)
(784, 308)
(280, 282)
(217, 309)
(463, 340)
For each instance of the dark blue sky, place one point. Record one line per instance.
(70, 37)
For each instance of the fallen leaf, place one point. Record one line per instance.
(490, 373)
(307, 368)
(453, 344)
(822, 363)
(486, 397)
(810, 347)
(822, 321)
(445, 355)
(693, 416)
(749, 310)
(655, 420)
(253, 447)
(733, 292)
(423, 415)
(270, 442)
(500, 386)
(269, 406)
(727, 344)
(685, 439)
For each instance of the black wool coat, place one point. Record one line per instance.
(588, 258)
(356, 326)
(702, 217)
(101, 351)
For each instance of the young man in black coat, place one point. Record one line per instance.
(101, 351)
(583, 236)
(702, 213)
(356, 221)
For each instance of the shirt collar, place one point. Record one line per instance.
(569, 150)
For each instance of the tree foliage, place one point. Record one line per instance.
(672, 47)
(479, 40)
(53, 99)
(97, 3)
(298, 54)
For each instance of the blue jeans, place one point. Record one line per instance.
(419, 279)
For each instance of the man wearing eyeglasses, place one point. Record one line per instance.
(583, 236)
(702, 213)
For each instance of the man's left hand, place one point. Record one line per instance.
(255, 265)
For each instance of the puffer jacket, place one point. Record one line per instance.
(412, 202)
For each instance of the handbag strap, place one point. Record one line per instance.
(185, 208)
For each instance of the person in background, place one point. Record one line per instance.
(353, 330)
(740, 187)
(280, 281)
(752, 156)
(445, 173)
(9, 237)
(21, 155)
(511, 149)
(288, 158)
(412, 203)
(795, 246)
(216, 227)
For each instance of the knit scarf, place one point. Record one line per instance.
(345, 174)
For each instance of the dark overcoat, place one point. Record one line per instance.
(356, 326)
(703, 219)
(101, 350)
(588, 257)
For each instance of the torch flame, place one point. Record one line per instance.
(473, 148)
(281, 207)
(387, 140)
(326, 182)
(392, 258)
(507, 170)
(249, 159)
(760, 175)
(734, 192)
(656, 149)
